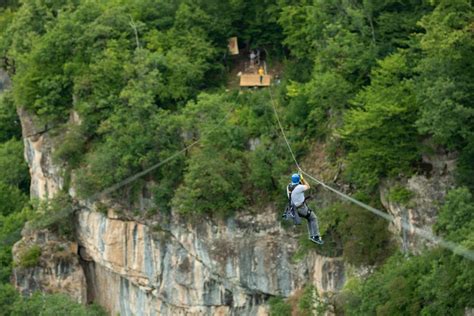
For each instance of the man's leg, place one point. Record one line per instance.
(313, 227)
(313, 224)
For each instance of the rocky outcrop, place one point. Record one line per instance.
(428, 192)
(57, 268)
(204, 268)
(166, 264)
(173, 265)
(46, 178)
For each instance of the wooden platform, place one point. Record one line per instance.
(252, 80)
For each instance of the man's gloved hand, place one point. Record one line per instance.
(302, 180)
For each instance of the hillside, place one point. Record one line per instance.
(156, 185)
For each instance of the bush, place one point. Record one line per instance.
(53, 304)
(214, 176)
(55, 214)
(437, 282)
(363, 237)
(13, 168)
(400, 194)
(12, 200)
(9, 122)
(307, 301)
(212, 184)
(10, 233)
(30, 257)
(465, 170)
(8, 297)
(434, 283)
(380, 128)
(456, 217)
(72, 147)
(278, 307)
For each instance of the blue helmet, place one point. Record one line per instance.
(295, 178)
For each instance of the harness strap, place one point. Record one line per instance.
(307, 216)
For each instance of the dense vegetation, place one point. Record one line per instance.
(380, 82)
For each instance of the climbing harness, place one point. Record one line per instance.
(291, 211)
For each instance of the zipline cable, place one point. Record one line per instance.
(455, 248)
(157, 165)
(91, 199)
(283, 132)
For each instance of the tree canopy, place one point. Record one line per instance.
(124, 85)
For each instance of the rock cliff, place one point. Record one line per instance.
(165, 264)
(178, 268)
(427, 192)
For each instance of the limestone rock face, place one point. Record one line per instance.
(421, 211)
(45, 176)
(166, 264)
(57, 270)
(206, 268)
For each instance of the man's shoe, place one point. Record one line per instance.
(316, 239)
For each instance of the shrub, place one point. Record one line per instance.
(437, 282)
(72, 147)
(10, 233)
(55, 214)
(456, 217)
(30, 257)
(465, 170)
(278, 307)
(8, 297)
(9, 122)
(13, 168)
(363, 237)
(307, 301)
(400, 194)
(12, 199)
(53, 304)
(380, 128)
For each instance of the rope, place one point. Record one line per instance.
(283, 132)
(95, 197)
(455, 248)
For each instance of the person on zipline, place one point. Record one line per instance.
(295, 192)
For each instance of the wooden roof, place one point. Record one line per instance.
(252, 80)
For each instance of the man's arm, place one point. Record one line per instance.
(305, 183)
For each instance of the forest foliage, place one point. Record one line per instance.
(381, 82)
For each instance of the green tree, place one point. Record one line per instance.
(464, 170)
(456, 218)
(278, 307)
(10, 232)
(8, 297)
(437, 282)
(13, 168)
(380, 128)
(446, 90)
(9, 122)
(53, 304)
(213, 178)
(12, 199)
